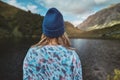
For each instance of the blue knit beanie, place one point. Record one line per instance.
(53, 23)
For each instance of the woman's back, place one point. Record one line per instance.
(52, 57)
(52, 62)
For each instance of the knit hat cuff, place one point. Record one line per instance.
(53, 33)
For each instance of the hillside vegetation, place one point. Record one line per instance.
(105, 33)
(15, 22)
(73, 32)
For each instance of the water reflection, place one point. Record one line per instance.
(78, 43)
(99, 57)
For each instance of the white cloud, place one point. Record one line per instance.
(100, 1)
(68, 6)
(77, 10)
(80, 18)
(26, 7)
(14, 3)
(75, 6)
(32, 8)
(75, 23)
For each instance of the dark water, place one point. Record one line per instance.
(98, 57)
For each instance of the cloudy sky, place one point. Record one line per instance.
(74, 11)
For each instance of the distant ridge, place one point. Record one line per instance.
(104, 24)
(104, 18)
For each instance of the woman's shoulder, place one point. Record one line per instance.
(52, 48)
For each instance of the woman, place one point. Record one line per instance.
(52, 58)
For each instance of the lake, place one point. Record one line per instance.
(98, 57)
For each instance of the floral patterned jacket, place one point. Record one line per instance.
(51, 63)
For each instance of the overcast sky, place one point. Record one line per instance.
(74, 11)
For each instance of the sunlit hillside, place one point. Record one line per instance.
(103, 24)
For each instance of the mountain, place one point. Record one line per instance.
(15, 22)
(104, 18)
(73, 32)
(105, 33)
(104, 24)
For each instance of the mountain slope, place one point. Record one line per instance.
(103, 18)
(72, 31)
(105, 33)
(15, 22)
(103, 24)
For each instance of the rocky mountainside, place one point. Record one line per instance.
(104, 18)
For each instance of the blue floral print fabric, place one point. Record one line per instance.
(51, 63)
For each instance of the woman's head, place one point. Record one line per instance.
(53, 29)
(53, 24)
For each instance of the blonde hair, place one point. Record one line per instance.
(62, 40)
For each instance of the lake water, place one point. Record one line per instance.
(98, 57)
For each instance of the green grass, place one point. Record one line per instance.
(19, 23)
(112, 32)
(116, 75)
